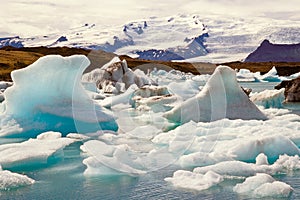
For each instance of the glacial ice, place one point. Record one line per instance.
(220, 98)
(272, 76)
(227, 140)
(263, 185)
(245, 75)
(48, 95)
(106, 159)
(33, 151)
(194, 181)
(269, 98)
(10, 180)
(115, 77)
(156, 98)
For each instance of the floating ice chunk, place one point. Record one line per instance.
(220, 98)
(116, 72)
(48, 95)
(271, 146)
(271, 76)
(263, 185)
(274, 189)
(253, 182)
(242, 169)
(10, 180)
(269, 98)
(193, 181)
(245, 75)
(33, 151)
(109, 159)
(235, 168)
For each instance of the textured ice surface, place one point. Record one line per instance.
(10, 180)
(269, 98)
(33, 151)
(263, 185)
(48, 95)
(243, 169)
(220, 98)
(115, 77)
(194, 181)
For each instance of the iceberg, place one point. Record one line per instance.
(271, 76)
(48, 95)
(220, 98)
(194, 181)
(269, 98)
(245, 75)
(272, 146)
(35, 151)
(263, 185)
(115, 77)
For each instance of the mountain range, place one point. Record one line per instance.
(191, 38)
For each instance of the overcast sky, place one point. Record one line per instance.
(29, 17)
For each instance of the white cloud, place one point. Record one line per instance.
(26, 17)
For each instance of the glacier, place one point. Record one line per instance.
(48, 95)
(193, 37)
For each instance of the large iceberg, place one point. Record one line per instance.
(221, 97)
(48, 95)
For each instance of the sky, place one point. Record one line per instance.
(36, 17)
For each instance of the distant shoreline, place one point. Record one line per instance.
(16, 58)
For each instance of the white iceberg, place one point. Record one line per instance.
(106, 159)
(33, 151)
(236, 168)
(245, 75)
(194, 181)
(269, 98)
(263, 185)
(271, 76)
(220, 98)
(48, 95)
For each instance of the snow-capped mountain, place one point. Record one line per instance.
(207, 38)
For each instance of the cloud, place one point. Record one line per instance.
(42, 16)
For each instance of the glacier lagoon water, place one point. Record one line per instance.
(62, 178)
